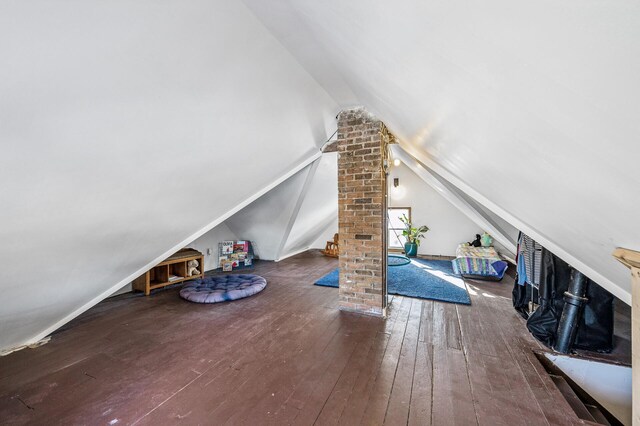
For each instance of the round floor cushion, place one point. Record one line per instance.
(221, 288)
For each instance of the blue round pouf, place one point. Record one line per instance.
(222, 288)
(397, 260)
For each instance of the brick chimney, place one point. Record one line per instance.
(362, 188)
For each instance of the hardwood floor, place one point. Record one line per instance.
(286, 356)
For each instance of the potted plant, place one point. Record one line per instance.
(413, 234)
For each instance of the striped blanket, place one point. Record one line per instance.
(481, 261)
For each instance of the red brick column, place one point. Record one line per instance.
(361, 212)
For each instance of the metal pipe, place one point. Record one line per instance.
(574, 299)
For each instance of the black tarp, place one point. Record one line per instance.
(521, 296)
(595, 327)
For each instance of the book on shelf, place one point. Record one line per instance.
(241, 246)
(226, 247)
(233, 254)
(227, 266)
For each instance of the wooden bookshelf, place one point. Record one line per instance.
(175, 266)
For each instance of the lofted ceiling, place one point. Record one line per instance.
(130, 129)
(317, 217)
(527, 107)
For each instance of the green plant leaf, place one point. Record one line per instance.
(413, 234)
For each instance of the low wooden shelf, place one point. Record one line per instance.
(176, 265)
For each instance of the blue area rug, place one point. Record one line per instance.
(425, 279)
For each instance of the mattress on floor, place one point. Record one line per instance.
(479, 261)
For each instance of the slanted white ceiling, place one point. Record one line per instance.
(265, 221)
(290, 217)
(130, 129)
(528, 107)
(319, 211)
(127, 130)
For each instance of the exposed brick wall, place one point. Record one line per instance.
(361, 210)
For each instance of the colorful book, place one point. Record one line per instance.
(240, 246)
(226, 247)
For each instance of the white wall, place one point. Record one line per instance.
(209, 241)
(529, 107)
(127, 130)
(448, 227)
(122, 124)
(609, 384)
(264, 222)
(326, 235)
(318, 215)
(126, 289)
(291, 217)
(273, 218)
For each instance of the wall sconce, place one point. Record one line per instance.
(396, 162)
(396, 182)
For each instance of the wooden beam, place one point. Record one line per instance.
(635, 344)
(629, 258)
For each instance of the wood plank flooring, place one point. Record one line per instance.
(286, 356)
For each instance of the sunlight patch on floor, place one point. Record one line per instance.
(458, 282)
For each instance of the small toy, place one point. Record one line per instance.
(192, 268)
